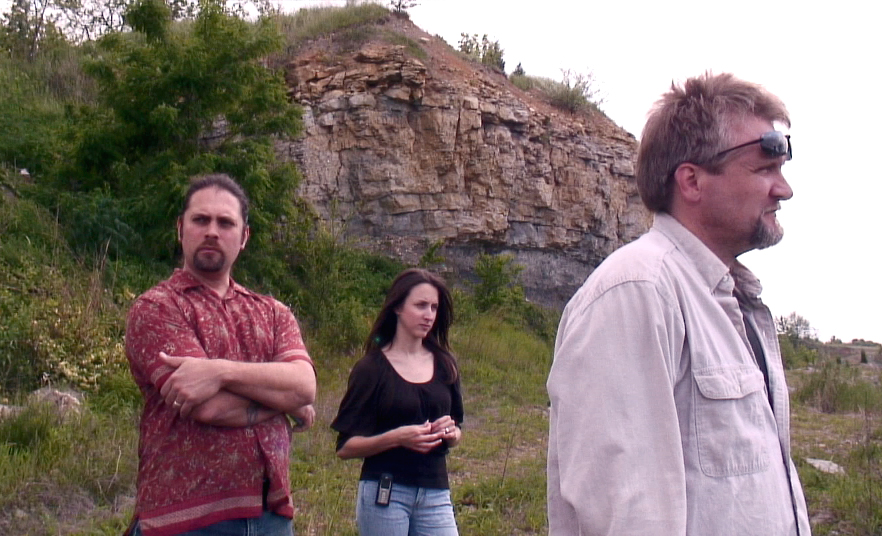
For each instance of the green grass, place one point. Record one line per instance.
(313, 22)
(66, 475)
(836, 388)
(839, 419)
(412, 47)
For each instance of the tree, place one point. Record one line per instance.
(485, 51)
(174, 104)
(796, 338)
(29, 26)
(400, 7)
(795, 327)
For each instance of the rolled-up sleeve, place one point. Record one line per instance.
(615, 458)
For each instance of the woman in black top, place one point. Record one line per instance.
(402, 412)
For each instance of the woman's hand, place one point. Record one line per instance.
(419, 437)
(448, 429)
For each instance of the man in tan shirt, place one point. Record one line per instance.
(669, 407)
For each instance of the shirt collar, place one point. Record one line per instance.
(712, 270)
(183, 280)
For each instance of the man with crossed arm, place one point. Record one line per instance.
(221, 369)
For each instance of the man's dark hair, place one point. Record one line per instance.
(217, 180)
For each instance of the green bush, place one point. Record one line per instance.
(525, 82)
(338, 289)
(796, 352)
(836, 388)
(22, 434)
(175, 101)
(60, 324)
(30, 119)
(497, 281)
(576, 92)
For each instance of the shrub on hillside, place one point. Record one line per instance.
(797, 353)
(835, 388)
(497, 281)
(337, 289)
(575, 93)
(487, 52)
(60, 325)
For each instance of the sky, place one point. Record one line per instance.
(820, 58)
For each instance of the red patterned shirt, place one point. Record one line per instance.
(191, 474)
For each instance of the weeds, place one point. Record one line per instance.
(837, 388)
(850, 503)
(575, 93)
(309, 23)
(59, 471)
(412, 47)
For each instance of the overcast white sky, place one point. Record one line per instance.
(822, 59)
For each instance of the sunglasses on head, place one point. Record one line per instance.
(774, 144)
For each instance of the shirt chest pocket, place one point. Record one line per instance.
(730, 421)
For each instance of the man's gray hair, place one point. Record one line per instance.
(692, 124)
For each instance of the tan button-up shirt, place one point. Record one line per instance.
(660, 419)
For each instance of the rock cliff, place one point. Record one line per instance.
(411, 150)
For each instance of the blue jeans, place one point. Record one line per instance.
(412, 511)
(269, 524)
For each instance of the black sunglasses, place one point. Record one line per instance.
(774, 144)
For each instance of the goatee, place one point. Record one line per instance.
(210, 263)
(766, 235)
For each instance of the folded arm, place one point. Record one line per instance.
(282, 387)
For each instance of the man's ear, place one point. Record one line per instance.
(686, 182)
(246, 234)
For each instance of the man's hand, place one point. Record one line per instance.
(305, 417)
(194, 381)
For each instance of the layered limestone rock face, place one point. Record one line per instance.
(407, 156)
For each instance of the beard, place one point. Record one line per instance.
(210, 262)
(765, 235)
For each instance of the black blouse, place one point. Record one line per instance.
(378, 400)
